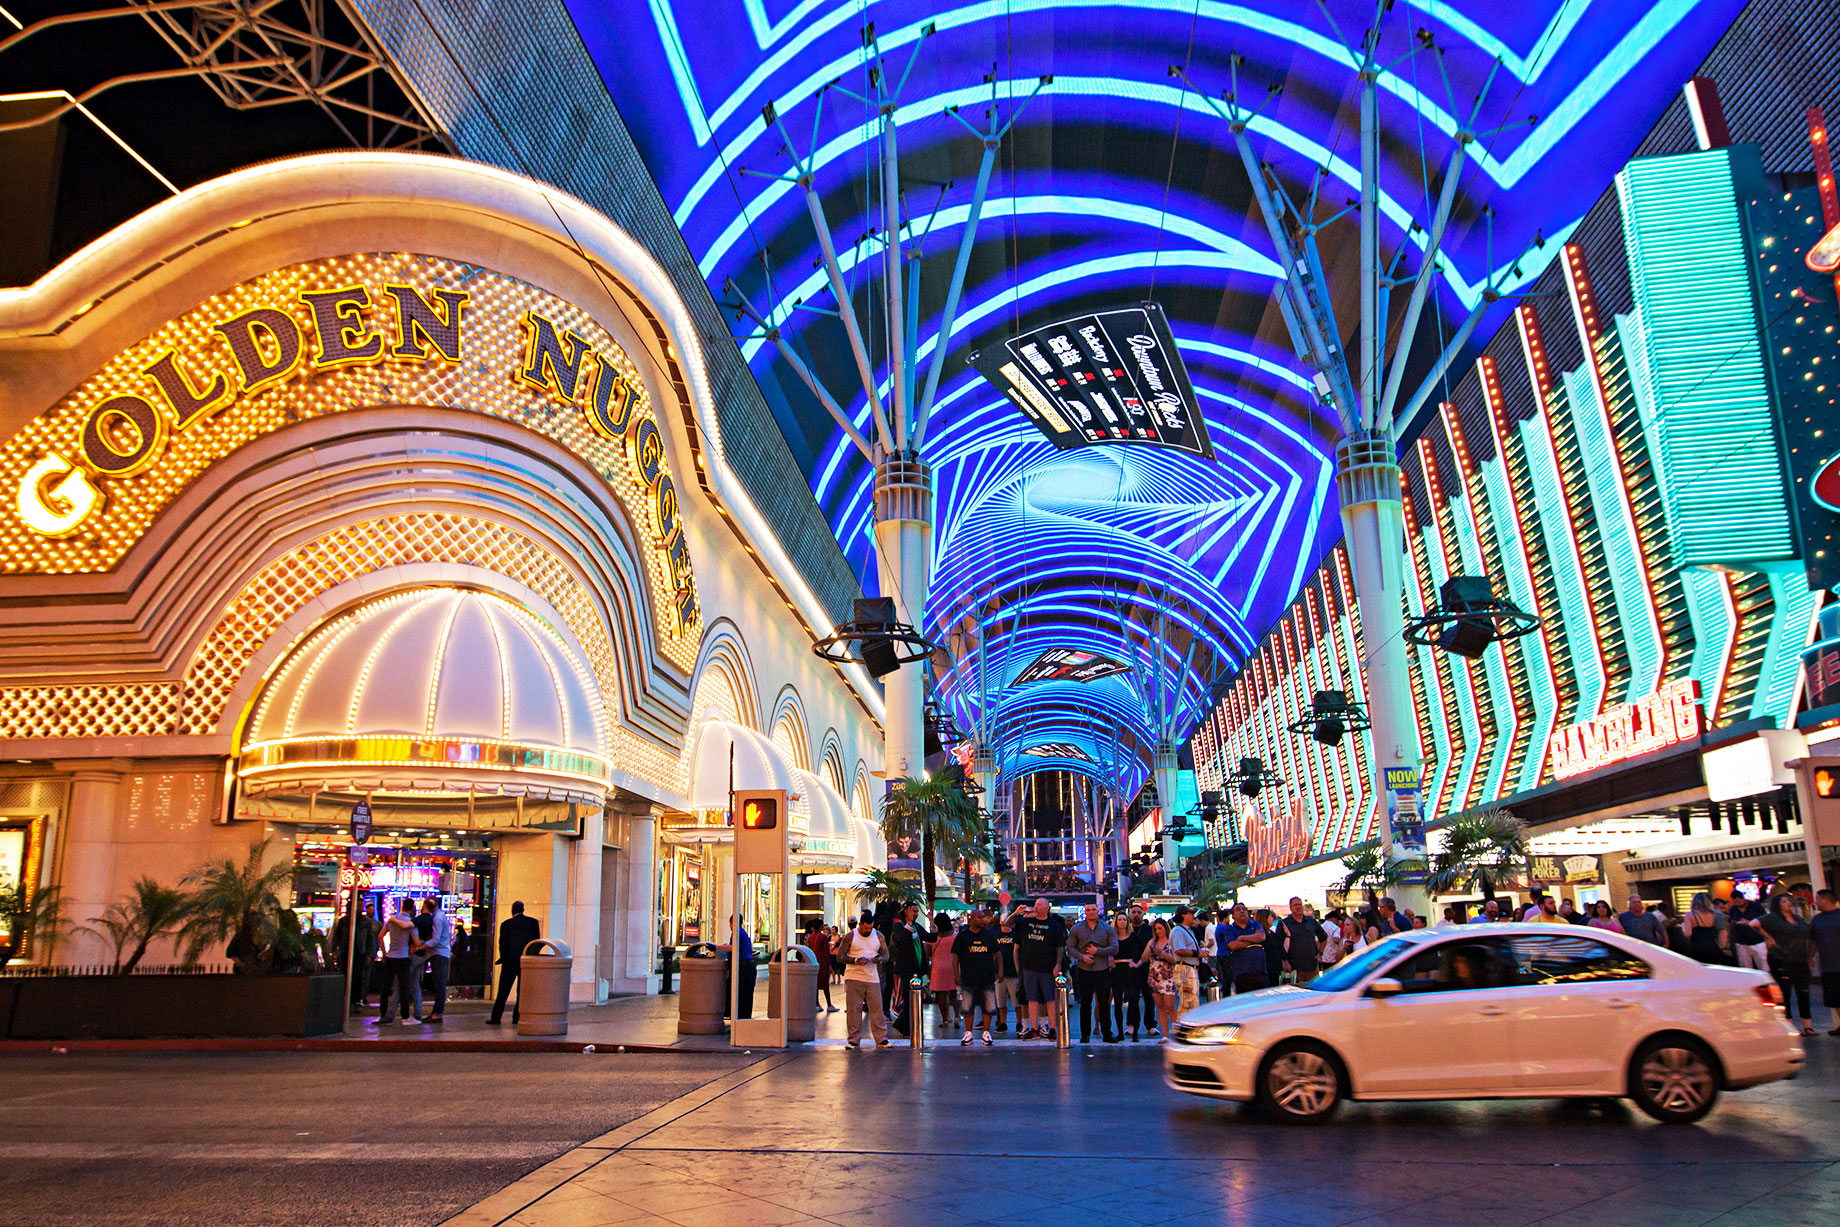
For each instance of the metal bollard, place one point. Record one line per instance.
(916, 1013)
(1213, 991)
(1063, 1037)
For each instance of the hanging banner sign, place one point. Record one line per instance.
(1628, 730)
(1111, 377)
(1407, 823)
(1068, 665)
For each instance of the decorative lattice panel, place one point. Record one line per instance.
(150, 710)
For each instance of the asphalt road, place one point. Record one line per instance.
(232, 1139)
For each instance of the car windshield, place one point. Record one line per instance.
(1350, 972)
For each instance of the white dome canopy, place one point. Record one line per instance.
(757, 763)
(828, 834)
(437, 678)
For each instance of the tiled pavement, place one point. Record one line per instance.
(949, 1136)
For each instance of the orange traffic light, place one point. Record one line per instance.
(759, 815)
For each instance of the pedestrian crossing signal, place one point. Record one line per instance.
(760, 814)
(1826, 783)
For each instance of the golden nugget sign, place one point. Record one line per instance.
(322, 338)
(1628, 730)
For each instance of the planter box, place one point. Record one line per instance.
(145, 1007)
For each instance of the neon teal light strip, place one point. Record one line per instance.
(1622, 544)
(1568, 570)
(1713, 628)
(1791, 630)
(1520, 588)
(1708, 409)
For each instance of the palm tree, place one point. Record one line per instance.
(880, 886)
(1223, 886)
(150, 912)
(1368, 869)
(941, 814)
(228, 898)
(1480, 849)
(24, 912)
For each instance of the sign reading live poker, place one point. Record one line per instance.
(1111, 377)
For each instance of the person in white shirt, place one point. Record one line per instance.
(860, 951)
(399, 940)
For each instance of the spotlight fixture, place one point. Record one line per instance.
(1469, 619)
(876, 639)
(1252, 777)
(1332, 716)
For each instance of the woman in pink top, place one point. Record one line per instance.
(1603, 918)
(945, 970)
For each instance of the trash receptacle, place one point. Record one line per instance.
(543, 988)
(799, 969)
(702, 991)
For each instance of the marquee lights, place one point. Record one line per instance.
(330, 336)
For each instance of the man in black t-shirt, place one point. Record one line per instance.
(975, 948)
(1041, 937)
(1302, 936)
(1009, 984)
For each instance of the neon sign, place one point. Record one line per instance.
(1628, 730)
(390, 877)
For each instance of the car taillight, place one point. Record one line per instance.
(1770, 995)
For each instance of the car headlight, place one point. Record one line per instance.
(1208, 1034)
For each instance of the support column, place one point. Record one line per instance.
(904, 561)
(1373, 518)
(1168, 775)
(86, 863)
(583, 931)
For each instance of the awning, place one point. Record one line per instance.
(758, 764)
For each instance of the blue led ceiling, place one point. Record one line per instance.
(1116, 185)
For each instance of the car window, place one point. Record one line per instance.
(1352, 970)
(1456, 967)
(1563, 959)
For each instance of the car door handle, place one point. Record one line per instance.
(1492, 1012)
(1620, 1003)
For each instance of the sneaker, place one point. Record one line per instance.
(987, 1040)
(1029, 1034)
(830, 1009)
(383, 1022)
(966, 1042)
(883, 1044)
(495, 1022)
(851, 1044)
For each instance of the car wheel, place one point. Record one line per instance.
(1300, 1083)
(1674, 1079)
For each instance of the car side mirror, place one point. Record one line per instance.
(1385, 986)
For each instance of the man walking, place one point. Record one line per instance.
(1638, 921)
(1824, 931)
(438, 933)
(1093, 947)
(1186, 950)
(1040, 938)
(908, 956)
(1303, 938)
(861, 950)
(1245, 952)
(517, 932)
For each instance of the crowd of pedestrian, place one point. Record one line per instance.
(991, 972)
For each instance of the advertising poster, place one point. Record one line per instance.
(1407, 823)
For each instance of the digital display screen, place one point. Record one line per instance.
(1109, 377)
(1068, 665)
(1058, 749)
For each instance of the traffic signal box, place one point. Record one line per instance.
(760, 832)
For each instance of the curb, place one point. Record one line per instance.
(40, 1047)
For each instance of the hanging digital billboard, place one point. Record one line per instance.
(1109, 377)
(1068, 665)
(1058, 749)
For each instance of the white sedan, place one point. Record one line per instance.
(1501, 1011)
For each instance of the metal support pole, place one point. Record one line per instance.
(1372, 326)
(916, 1013)
(904, 560)
(894, 298)
(1063, 1037)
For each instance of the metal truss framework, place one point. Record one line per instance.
(256, 54)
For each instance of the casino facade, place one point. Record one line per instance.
(394, 484)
